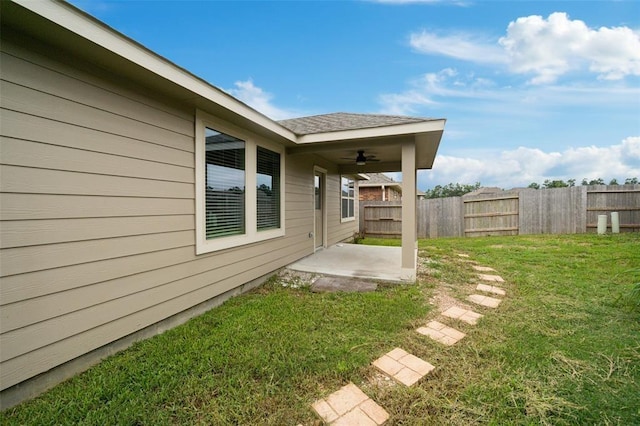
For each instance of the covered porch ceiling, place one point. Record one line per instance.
(339, 137)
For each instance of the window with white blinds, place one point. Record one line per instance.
(268, 189)
(225, 185)
(347, 195)
(239, 186)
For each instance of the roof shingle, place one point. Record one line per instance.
(339, 121)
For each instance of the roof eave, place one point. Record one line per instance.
(86, 26)
(426, 126)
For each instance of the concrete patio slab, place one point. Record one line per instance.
(492, 278)
(489, 302)
(403, 366)
(441, 333)
(483, 268)
(354, 260)
(350, 406)
(465, 315)
(491, 289)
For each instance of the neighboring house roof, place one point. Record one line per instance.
(380, 179)
(340, 121)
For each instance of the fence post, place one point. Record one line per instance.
(602, 224)
(615, 223)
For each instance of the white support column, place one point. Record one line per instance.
(409, 221)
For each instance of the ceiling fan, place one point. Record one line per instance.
(362, 159)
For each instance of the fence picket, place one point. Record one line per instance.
(568, 210)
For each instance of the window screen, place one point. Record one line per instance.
(225, 185)
(347, 195)
(268, 189)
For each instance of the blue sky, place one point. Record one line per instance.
(531, 90)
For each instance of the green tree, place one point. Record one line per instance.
(631, 181)
(451, 190)
(555, 184)
(534, 185)
(598, 181)
(613, 181)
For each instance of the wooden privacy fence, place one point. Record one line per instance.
(571, 210)
(382, 220)
(495, 215)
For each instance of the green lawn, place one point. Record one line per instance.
(562, 348)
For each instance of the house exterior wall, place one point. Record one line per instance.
(97, 212)
(374, 193)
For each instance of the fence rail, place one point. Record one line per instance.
(571, 210)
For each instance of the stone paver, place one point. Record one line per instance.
(342, 284)
(403, 366)
(491, 289)
(461, 314)
(489, 302)
(441, 333)
(483, 268)
(492, 278)
(350, 406)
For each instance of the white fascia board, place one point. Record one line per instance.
(374, 132)
(389, 185)
(90, 28)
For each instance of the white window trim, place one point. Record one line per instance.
(351, 218)
(252, 141)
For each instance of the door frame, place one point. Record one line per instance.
(320, 241)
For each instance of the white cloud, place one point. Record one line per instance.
(450, 90)
(557, 45)
(403, 103)
(428, 89)
(257, 98)
(463, 46)
(520, 167)
(545, 48)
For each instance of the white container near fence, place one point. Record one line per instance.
(602, 224)
(615, 223)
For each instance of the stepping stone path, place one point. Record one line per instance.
(441, 333)
(462, 314)
(492, 278)
(491, 289)
(483, 268)
(402, 366)
(489, 302)
(349, 405)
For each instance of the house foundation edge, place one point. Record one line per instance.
(37, 385)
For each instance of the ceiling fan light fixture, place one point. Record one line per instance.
(361, 160)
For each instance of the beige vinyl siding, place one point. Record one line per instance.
(22, 126)
(41, 155)
(337, 231)
(97, 213)
(32, 102)
(50, 231)
(113, 326)
(60, 206)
